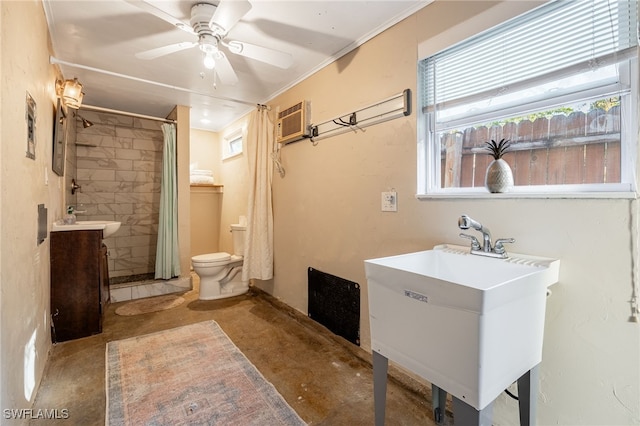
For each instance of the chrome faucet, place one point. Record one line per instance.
(465, 222)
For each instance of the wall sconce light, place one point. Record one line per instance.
(70, 91)
(85, 123)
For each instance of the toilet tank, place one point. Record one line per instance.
(238, 232)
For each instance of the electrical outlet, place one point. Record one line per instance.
(389, 201)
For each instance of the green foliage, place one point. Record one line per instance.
(606, 104)
(532, 117)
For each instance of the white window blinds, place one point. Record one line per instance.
(560, 38)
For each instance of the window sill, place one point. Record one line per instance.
(526, 195)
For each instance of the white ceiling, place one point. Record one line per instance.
(96, 41)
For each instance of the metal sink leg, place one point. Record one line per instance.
(465, 414)
(528, 396)
(439, 404)
(380, 367)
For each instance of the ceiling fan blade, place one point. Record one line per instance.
(227, 14)
(165, 50)
(159, 13)
(224, 69)
(274, 57)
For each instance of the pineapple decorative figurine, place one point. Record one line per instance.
(499, 177)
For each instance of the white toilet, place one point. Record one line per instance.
(221, 273)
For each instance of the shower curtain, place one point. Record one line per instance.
(258, 248)
(167, 250)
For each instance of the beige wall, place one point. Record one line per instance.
(235, 178)
(327, 215)
(206, 202)
(205, 152)
(25, 183)
(206, 207)
(183, 127)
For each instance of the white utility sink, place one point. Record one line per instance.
(108, 227)
(469, 324)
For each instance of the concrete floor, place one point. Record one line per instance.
(327, 380)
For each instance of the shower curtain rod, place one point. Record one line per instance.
(55, 61)
(129, 114)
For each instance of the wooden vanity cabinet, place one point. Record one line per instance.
(79, 283)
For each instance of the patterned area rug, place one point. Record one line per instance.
(190, 375)
(150, 304)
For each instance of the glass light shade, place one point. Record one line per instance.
(72, 93)
(209, 62)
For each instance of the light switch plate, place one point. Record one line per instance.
(389, 201)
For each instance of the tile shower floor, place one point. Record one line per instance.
(331, 383)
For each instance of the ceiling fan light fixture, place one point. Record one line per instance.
(211, 23)
(209, 61)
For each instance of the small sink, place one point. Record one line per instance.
(108, 227)
(469, 324)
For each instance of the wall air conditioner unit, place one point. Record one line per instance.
(294, 122)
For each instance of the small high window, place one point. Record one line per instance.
(559, 82)
(232, 144)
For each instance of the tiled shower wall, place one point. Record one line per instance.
(118, 166)
(70, 156)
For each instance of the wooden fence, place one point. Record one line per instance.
(579, 148)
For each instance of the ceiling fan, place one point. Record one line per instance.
(211, 24)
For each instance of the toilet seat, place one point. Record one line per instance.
(211, 259)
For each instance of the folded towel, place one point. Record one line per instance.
(195, 179)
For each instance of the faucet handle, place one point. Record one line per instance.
(475, 244)
(499, 247)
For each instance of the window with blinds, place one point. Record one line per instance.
(560, 82)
